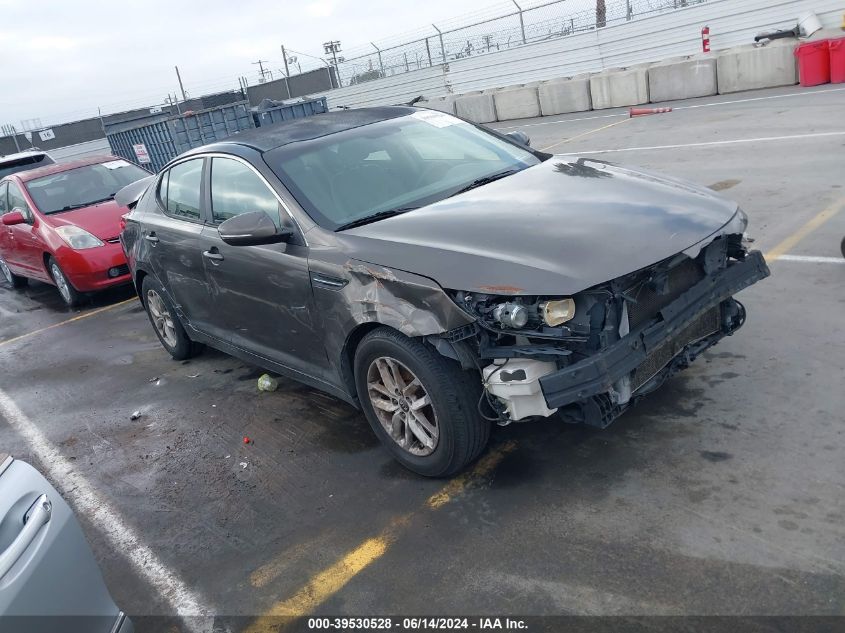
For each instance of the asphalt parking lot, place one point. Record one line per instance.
(722, 494)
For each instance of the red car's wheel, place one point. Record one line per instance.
(15, 281)
(71, 295)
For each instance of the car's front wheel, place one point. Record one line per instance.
(421, 405)
(15, 281)
(166, 324)
(71, 296)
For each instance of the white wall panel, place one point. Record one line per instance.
(645, 39)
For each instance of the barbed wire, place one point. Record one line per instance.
(521, 23)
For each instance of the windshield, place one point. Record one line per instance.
(392, 166)
(82, 186)
(24, 163)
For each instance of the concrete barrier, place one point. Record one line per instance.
(682, 78)
(560, 96)
(478, 108)
(751, 68)
(443, 104)
(619, 87)
(516, 103)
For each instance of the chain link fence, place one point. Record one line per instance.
(524, 25)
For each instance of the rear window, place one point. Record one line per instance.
(12, 166)
(82, 186)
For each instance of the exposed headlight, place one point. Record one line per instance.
(556, 313)
(77, 238)
(512, 315)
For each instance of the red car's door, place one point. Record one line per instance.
(25, 250)
(5, 233)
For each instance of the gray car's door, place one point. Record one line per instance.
(49, 580)
(172, 230)
(262, 293)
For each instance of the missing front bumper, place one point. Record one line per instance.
(642, 353)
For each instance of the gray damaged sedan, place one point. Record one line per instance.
(438, 275)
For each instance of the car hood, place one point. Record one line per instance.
(556, 228)
(101, 220)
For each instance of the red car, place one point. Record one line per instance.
(61, 225)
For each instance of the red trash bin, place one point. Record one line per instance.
(814, 63)
(837, 61)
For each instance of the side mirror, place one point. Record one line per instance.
(519, 137)
(252, 229)
(13, 217)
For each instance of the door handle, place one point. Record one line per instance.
(41, 512)
(213, 255)
(151, 237)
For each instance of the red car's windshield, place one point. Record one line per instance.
(82, 186)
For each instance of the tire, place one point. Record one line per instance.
(70, 295)
(166, 324)
(842, 247)
(15, 281)
(452, 400)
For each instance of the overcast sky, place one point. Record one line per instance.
(61, 59)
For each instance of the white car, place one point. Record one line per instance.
(23, 161)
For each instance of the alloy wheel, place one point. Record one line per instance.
(61, 282)
(402, 406)
(162, 319)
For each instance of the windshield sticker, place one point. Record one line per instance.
(115, 164)
(437, 119)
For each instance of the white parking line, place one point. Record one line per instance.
(810, 259)
(762, 139)
(122, 538)
(803, 93)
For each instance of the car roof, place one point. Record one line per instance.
(270, 137)
(56, 168)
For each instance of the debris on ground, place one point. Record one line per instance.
(135, 415)
(153, 379)
(244, 465)
(267, 383)
(247, 440)
(193, 375)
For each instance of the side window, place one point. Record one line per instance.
(17, 201)
(181, 189)
(4, 207)
(236, 189)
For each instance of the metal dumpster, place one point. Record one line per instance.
(269, 112)
(153, 144)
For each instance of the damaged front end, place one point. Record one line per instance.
(590, 356)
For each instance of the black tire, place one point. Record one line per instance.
(453, 395)
(15, 281)
(70, 295)
(842, 247)
(179, 345)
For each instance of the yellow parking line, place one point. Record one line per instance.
(790, 242)
(583, 134)
(332, 579)
(59, 324)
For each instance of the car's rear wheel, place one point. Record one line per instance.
(15, 281)
(421, 405)
(165, 323)
(71, 296)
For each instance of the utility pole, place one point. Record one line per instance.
(181, 87)
(260, 63)
(333, 47)
(285, 57)
(380, 64)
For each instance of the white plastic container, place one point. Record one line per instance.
(808, 23)
(517, 385)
